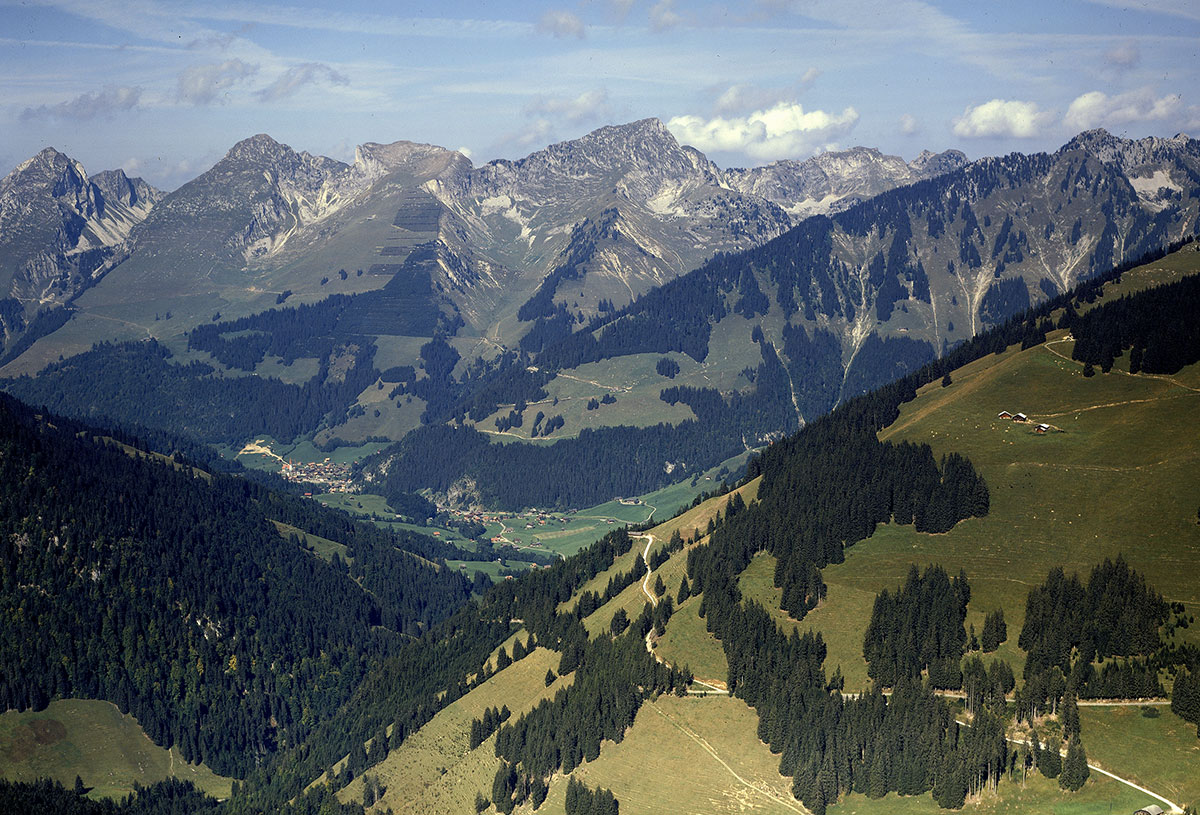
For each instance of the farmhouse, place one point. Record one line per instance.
(1020, 417)
(1153, 809)
(1042, 428)
(1004, 414)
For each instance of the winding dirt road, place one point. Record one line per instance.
(711, 688)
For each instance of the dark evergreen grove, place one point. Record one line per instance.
(169, 797)
(1158, 327)
(171, 594)
(919, 629)
(1069, 626)
(136, 384)
(584, 801)
(822, 490)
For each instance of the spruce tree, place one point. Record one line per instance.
(1068, 714)
(1074, 769)
(994, 631)
(1050, 761)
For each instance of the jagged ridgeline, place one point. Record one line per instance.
(842, 304)
(171, 592)
(835, 305)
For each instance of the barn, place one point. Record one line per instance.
(1153, 809)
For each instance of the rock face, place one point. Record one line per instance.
(836, 180)
(665, 209)
(58, 228)
(854, 299)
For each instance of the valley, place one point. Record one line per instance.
(473, 529)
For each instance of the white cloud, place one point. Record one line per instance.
(561, 24)
(1002, 118)
(106, 102)
(590, 105)
(298, 76)
(466, 151)
(1098, 109)
(785, 130)
(909, 124)
(663, 16)
(200, 84)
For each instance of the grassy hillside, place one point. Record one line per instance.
(691, 755)
(434, 771)
(1117, 473)
(94, 740)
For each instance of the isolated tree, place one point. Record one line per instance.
(685, 591)
(620, 621)
(994, 631)
(659, 586)
(1068, 714)
(1074, 769)
(550, 677)
(1049, 760)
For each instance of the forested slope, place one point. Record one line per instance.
(169, 592)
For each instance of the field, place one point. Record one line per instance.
(1100, 796)
(94, 740)
(1160, 753)
(434, 771)
(688, 755)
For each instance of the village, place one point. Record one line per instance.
(335, 477)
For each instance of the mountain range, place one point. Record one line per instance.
(442, 292)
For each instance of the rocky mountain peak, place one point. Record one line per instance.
(256, 148)
(374, 160)
(929, 164)
(114, 185)
(837, 179)
(1131, 153)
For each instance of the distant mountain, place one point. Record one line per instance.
(58, 230)
(837, 180)
(837, 306)
(616, 212)
(577, 254)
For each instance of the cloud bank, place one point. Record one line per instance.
(201, 84)
(1009, 118)
(296, 77)
(784, 130)
(1098, 109)
(106, 102)
(561, 24)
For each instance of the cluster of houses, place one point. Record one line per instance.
(1021, 417)
(335, 477)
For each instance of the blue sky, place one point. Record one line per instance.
(164, 89)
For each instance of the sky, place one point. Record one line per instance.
(163, 89)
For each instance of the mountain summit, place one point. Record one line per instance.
(58, 228)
